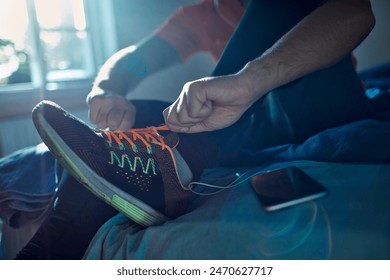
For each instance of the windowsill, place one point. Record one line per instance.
(18, 102)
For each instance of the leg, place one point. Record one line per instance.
(77, 213)
(321, 100)
(289, 114)
(70, 225)
(300, 109)
(263, 23)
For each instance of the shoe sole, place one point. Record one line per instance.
(125, 203)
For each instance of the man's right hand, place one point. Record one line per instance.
(111, 111)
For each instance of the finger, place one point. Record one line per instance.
(199, 127)
(114, 118)
(196, 128)
(195, 100)
(93, 112)
(183, 112)
(102, 125)
(170, 115)
(193, 105)
(172, 121)
(199, 107)
(104, 112)
(170, 118)
(165, 114)
(99, 109)
(102, 117)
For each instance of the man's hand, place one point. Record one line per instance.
(111, 111)
(319, 40)
(209, 104)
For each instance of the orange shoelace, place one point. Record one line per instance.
(145, 135)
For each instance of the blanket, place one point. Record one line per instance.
(27, 185)
(365, 141)
(352, 222)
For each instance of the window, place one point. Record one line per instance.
(48, 43)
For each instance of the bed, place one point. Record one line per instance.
(353, 222)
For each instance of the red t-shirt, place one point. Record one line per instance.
(206, 26)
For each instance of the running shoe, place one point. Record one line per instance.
(134, 171)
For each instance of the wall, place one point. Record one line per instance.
(20, 132)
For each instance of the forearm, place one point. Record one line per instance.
(129, 66)
(318, 41)
(157, 54)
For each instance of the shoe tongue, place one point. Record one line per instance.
(171, 139)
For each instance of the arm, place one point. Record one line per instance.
(124, 70)
(319, 40)
(193, 28)
(121, 73)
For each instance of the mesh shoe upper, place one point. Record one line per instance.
(140, 161)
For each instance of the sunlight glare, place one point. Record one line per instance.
(48, 13)
(78, 15)
(52, 14)
(13, 21)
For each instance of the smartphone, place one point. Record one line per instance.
(286, 187)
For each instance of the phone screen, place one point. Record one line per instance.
(285, 187)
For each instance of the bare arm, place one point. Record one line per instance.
(192, 28)
(319, 40)
(108, 106)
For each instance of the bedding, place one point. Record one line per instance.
(352, 222)
(351, 161)
(27, 185)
